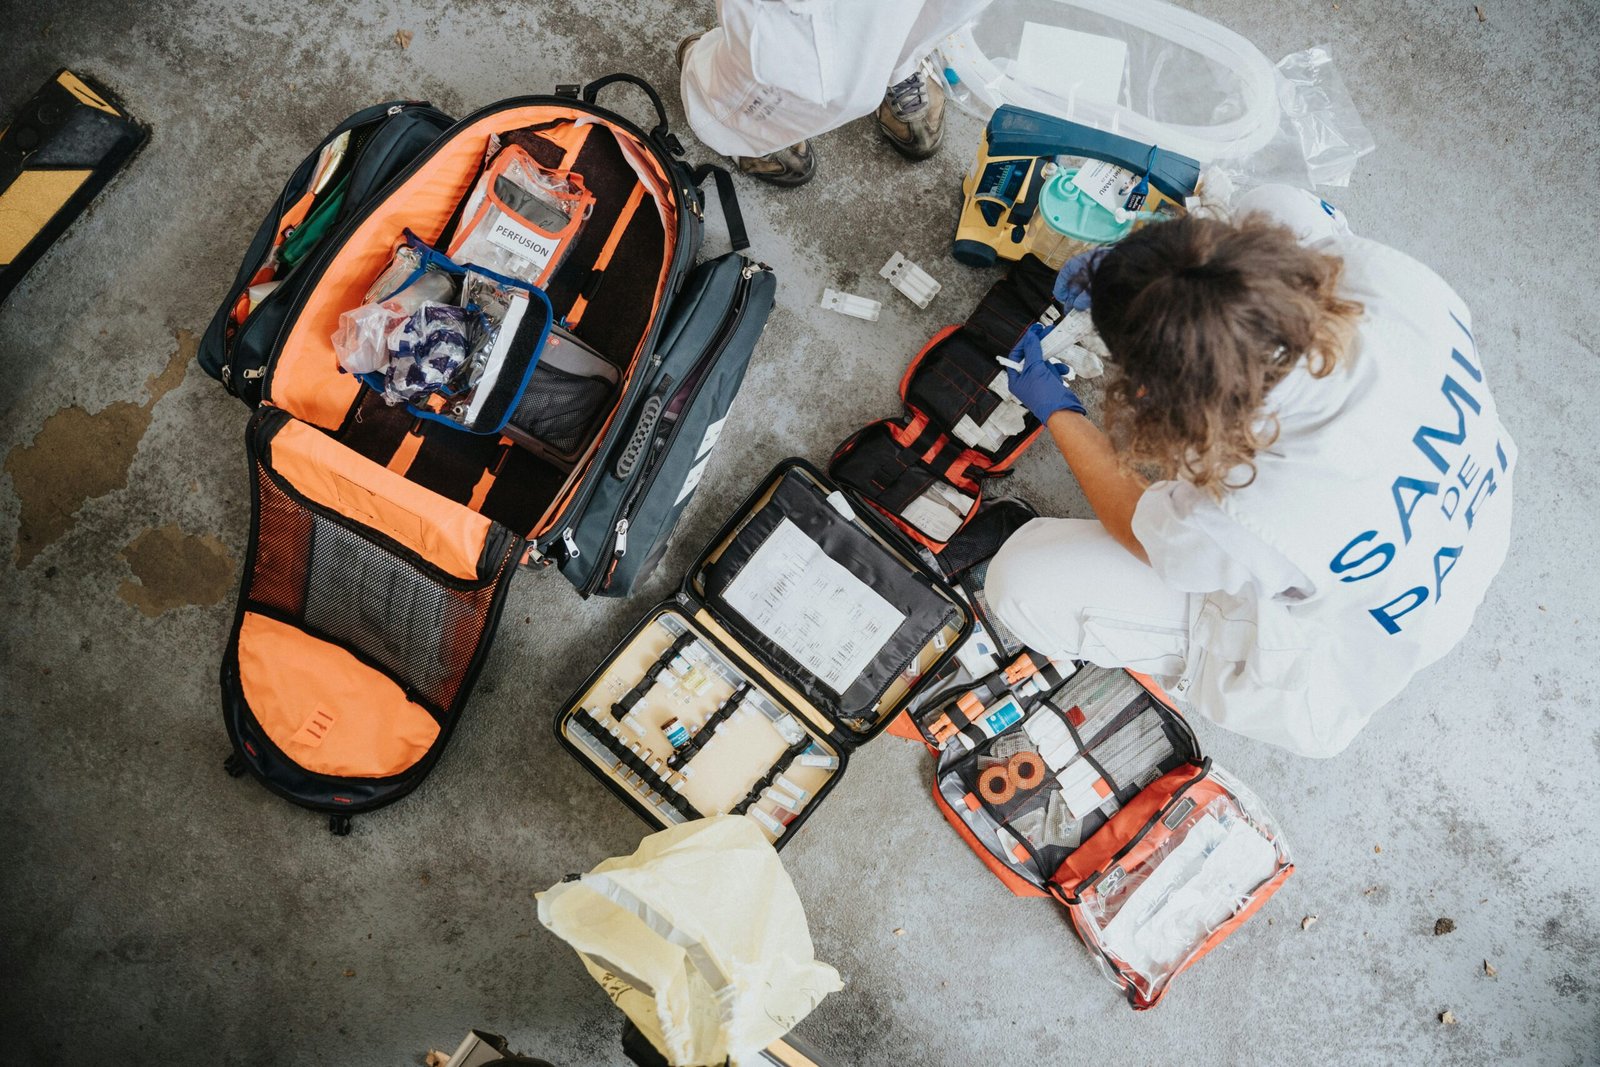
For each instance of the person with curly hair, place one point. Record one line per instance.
(1302, 490)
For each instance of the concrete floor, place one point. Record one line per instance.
(156, 911)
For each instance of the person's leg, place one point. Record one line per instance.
(1067, 589)
(911, 116)
(775, 73)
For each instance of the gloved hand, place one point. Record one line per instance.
(1069, 288)
(1037, 384)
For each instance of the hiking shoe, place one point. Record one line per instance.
(786, 167)
(912, 116)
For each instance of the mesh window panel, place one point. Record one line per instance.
(283, 549)
(558, 408)
(422, 630)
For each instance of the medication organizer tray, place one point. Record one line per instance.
(701, 710)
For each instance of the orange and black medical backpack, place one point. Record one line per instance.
(383, 539)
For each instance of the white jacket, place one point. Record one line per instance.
(1370, 534)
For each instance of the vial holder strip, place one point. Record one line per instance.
(701, 736)
(626, 702)
(648, 778)
(766, 780)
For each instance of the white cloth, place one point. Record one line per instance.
(1361, 550)
(774, 72)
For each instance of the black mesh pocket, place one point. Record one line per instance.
(561, 409)
(424, 629)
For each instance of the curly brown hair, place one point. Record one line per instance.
(1202, 318)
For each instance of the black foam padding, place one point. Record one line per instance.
(545, 152)
(523, 488)
(847, 543)
(609, 178)
(618, 315)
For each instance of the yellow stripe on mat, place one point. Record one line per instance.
(30, 202)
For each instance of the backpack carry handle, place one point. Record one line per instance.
(732, 217)
(592, 90)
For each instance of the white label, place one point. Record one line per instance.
(522, 242)
(712, 436)
(702, 457)
(692, 482)
(1106, 183)
(1072, 65)
(831, 622)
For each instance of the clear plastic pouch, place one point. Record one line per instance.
(521, 218)
(1206, 861)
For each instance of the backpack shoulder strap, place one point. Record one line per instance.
(732, 217)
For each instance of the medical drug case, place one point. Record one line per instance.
(926, 470)
(382, 543)
(1085, 784)
(800, 632)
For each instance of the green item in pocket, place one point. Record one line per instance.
(316, 225)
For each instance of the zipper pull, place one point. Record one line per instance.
(395, 109)
(752, 268)
(569, 543)
(622, 538)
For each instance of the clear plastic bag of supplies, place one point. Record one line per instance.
(1208, 859)
(521, 218)
(362, 339)
(1159, 74)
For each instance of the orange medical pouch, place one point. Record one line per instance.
(1086, 785)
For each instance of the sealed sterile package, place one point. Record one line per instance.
(521, 218)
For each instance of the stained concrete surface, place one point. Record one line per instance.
(156, 911)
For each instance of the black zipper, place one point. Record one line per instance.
(660, 445)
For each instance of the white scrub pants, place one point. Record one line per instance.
(1066, 588)
(774, 72)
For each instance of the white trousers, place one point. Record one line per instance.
(1066, 588)
(774, 72)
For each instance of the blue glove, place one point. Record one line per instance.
(1037, 384)
(1069, 288)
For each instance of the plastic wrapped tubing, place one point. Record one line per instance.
(1159, 74)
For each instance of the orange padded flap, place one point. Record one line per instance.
(441, 531)
(1094, 854)
(328, 711)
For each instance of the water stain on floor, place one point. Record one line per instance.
(77, 456)
(173, 569)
